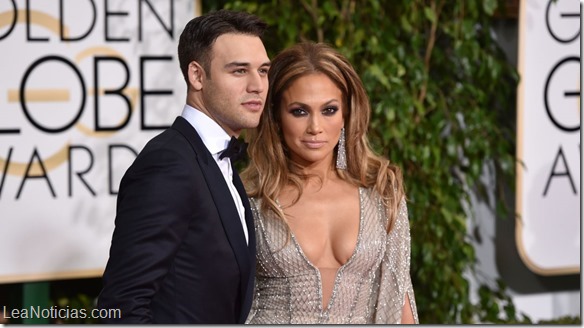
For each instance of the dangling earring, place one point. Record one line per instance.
(342, 152)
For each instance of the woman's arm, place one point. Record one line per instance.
(407, 314)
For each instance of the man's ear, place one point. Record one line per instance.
(196, 75)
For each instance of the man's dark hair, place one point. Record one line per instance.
(200, 33)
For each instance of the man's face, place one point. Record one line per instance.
(234, 91)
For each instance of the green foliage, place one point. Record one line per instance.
(442, 95)
(78, 306)
(562, 321)
(496, 307)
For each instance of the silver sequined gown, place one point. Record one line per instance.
(369, 288)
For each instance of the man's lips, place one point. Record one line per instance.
(253, 105)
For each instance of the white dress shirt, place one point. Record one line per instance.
(216, 140)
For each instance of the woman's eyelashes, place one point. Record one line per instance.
(298, 112)
(330, 110)
(327, 111)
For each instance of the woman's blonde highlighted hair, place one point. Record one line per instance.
(270, 170)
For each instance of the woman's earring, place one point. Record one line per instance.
(342, 152)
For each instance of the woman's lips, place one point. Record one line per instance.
(313, 144)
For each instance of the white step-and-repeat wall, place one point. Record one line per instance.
(548, 137)
(83, 85)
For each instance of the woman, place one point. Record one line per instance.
(333, 241)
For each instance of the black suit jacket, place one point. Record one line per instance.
(178, 252)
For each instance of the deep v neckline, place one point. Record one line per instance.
(298, 247)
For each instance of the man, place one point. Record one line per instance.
(183, 249)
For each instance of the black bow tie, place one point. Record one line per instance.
(235, 150)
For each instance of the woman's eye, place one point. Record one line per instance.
(329, 111)
(297, 112)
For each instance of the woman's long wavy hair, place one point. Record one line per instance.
(270, 169)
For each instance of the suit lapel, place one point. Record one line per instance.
(223, 202)
(249, 275)
(248, 215)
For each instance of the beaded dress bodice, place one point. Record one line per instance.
(369, 288)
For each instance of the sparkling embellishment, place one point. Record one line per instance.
(369, 288)
(342, 152)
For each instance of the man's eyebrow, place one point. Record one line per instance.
(236, 64)
(244, 64)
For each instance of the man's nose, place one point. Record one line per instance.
(256, 83)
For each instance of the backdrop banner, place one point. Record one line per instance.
(548, 137)
(84, 85)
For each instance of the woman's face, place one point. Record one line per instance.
(312, 117)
